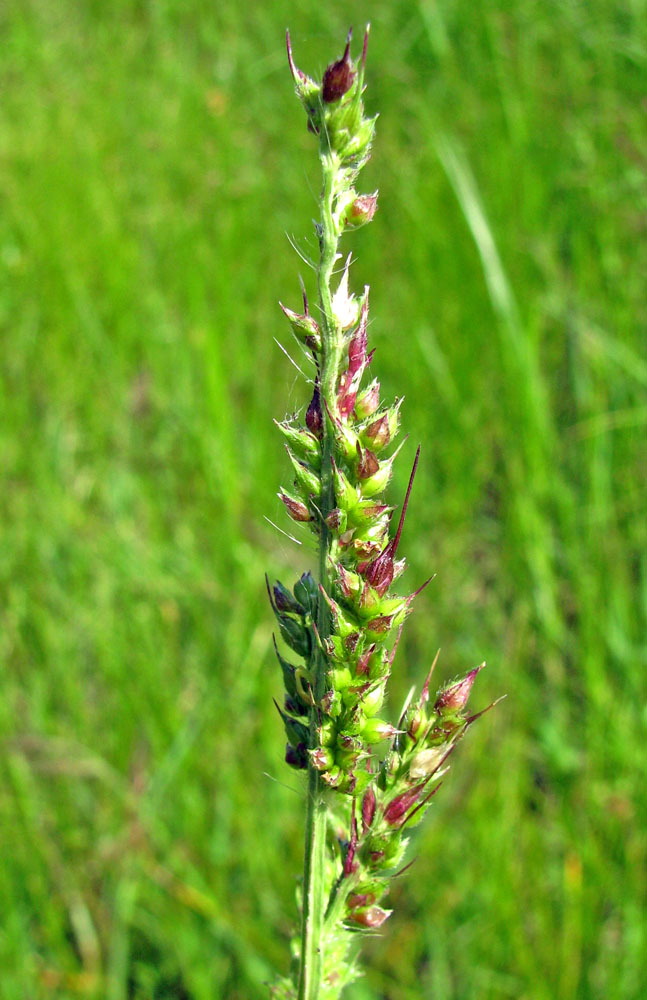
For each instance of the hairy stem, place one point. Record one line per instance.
(314, 884)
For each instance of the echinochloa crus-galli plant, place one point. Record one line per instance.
(368, 780)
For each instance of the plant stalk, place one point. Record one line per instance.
(314, 884)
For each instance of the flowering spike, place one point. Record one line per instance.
(346, 626)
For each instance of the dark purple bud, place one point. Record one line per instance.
(284, 601)
(296, 756)
(368, 809)
(306, 591)
(295, 731)
(372, 917)
(294, 706)
(339, 77)
(295, 508)
(455, 697)
(295, 634)
(314, 416)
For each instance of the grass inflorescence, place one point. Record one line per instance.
(152, 157)
(345, 625)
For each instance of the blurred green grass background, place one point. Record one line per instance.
(152, 160)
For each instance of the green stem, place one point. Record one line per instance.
(312, 964)
(311, 970)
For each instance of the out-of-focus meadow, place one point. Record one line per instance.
(152, 160)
